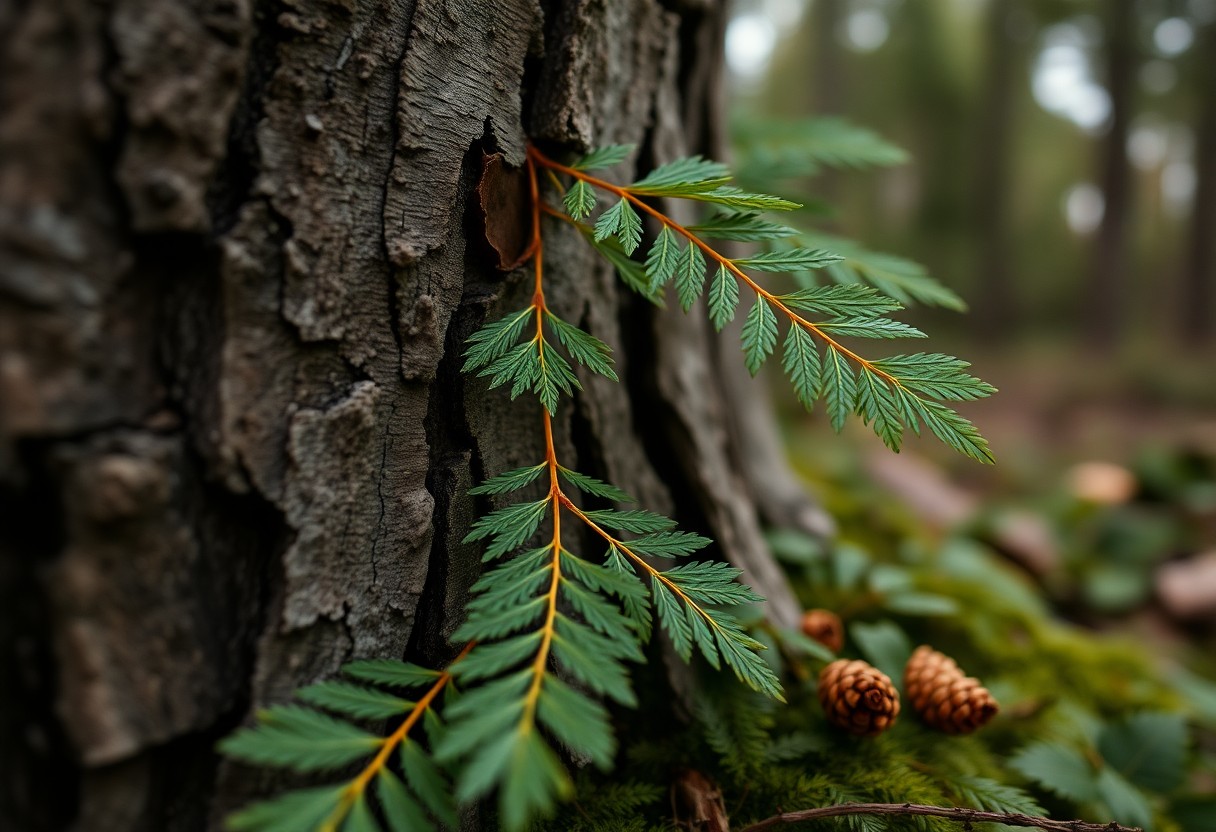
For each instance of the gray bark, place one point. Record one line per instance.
(237, 265)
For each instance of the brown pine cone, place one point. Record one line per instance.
(858, 697)
(943, 697)
(824, 626)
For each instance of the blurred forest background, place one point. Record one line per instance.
(1061, 178)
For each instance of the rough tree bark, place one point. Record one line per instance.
(238, 259)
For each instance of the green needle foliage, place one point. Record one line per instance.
(535, 365)
(310, 740)
(551, 634)
(555, 632)
(1088, 728)
(772, 153)
(772, 150)
(891, 396)
(524, 640)
(745, 227)
(902, 279)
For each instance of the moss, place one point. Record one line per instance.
(1057, 683)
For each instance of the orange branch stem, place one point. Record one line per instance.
(391, 742)
(636, 558)
(795, 318)
(555, 491)
(536, 246)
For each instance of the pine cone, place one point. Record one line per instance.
(824, 626)
(943, 697)
(858, 697)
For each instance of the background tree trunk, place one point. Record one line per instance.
(828, 72)
(239, 259)
(1107, 283)
(995, 306)
(830, 87)
(1198, 313)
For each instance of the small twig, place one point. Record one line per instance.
(965, 816)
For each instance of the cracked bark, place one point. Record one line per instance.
(237, 263)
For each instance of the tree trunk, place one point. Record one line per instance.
(240, 257)
(1199, 278)
(995, 303)
(1106, 288)
(830, 92)
(828, 72)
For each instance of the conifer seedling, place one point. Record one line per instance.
(550, 632)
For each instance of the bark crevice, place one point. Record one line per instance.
(237, 269)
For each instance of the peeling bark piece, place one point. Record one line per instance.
(460, 78)
(506, 211)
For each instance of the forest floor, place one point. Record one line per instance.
(1104, 487)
